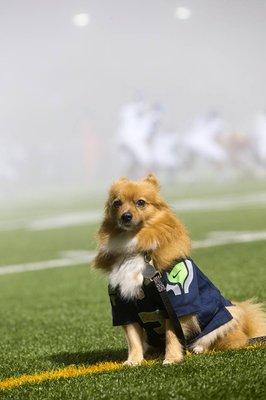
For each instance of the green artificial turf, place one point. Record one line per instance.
(58, 317)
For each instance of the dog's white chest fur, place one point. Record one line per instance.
(128, 276)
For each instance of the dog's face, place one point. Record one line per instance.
(131, 204)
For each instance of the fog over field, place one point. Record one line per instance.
(69, 67)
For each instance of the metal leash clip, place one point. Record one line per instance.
(150, 271)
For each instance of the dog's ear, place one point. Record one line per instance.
(151, 178)
(117, 182)
(123, 179)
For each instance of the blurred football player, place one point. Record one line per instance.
(136, 127)
(204, 139)
(259, 138)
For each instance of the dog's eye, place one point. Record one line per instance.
(140, 203)
(117, 203)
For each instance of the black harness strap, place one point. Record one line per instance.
(156, 279)
(153, 275)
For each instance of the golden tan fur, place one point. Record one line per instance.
(155, 229)
(250, 320)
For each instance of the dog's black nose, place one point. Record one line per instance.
(126, 217)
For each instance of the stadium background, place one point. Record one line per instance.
(68, 70)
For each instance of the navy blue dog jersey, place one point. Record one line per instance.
(189, 291)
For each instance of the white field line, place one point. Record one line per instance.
(78, 257)
(230, 237)
(95, 216)
(220, 203)
(71, 219)
(67, 259)
(54, 222)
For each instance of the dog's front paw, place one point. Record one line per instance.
(172, 360)
(133, 361)
(198, 349)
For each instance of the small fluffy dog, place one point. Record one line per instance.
(137, 223)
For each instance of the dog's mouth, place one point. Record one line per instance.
(128, 225)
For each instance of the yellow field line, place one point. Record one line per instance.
(68, 372)
(72, 372)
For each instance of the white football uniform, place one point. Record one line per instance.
(259, 136)
(134, 133)
(201, 139)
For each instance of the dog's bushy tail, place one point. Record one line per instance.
(254, 321)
